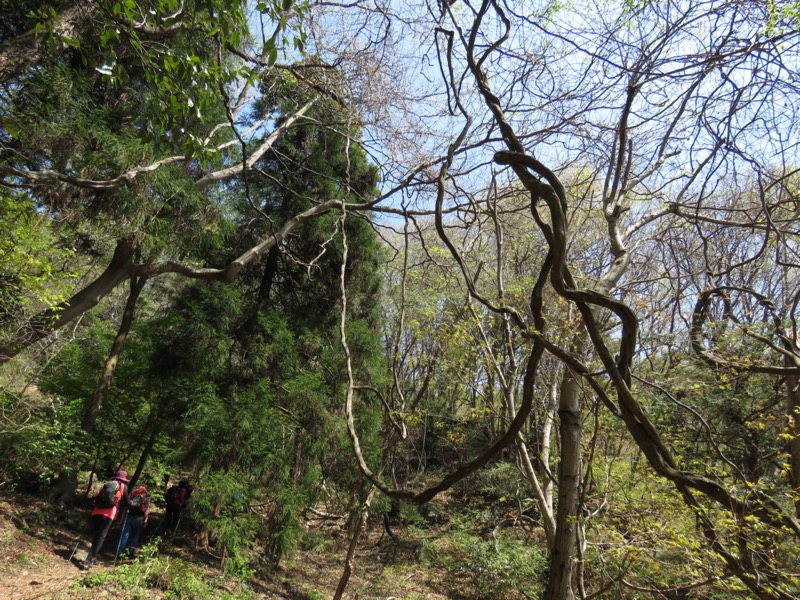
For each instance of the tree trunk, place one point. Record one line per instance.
(545, 444)
(268, 278)
(358, 528)
(793, 423)
(543, 491)
(93, 410)
(148, 448)
(53, 319)
(63, 490)
(25, 51)
(562, 556)
(546, 511)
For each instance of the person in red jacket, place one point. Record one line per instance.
(106, 506)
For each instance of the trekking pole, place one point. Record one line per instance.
(121, 534)
(157, 530)
(74, 550)
(180, 516)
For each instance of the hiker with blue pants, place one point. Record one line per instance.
(138, 512)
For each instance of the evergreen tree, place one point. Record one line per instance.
(258, 368)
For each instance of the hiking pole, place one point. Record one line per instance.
(75, 549)
(178, 524)
(121, 535)
(157, 529)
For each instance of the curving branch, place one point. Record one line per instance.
(42, 325)
(700, 316)
(239, 168)
(122, 267)
(511, 434)
(50, 177)
(544, 187)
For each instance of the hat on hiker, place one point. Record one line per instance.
(122, 476)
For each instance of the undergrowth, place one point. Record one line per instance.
(478, 567)
(174, 577)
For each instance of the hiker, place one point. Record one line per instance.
(136, 516)
(106, 504)
(176, 498)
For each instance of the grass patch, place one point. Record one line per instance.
(498, 566)
(174, 577)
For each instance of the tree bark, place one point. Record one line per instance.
(358, 528)
(793, 424)
(93, 410)
(122, 268)
(25, 51)
(544, 453)
(268, 279)
(548, 522)
(562, 556)
(151, 441)
(119, 269)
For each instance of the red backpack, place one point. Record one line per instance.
(138, 501)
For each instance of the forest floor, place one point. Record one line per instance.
(41, 547)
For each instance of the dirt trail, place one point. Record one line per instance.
(34, 557)
(45, 577)
(37, 542)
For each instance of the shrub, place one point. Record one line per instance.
(493, 568)
(174, 578)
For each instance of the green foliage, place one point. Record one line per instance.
(255, 373)
(221, 507)
(498, 485)
(62, 118)
(72, 376)
(314, 541)
(494, 568)
(171, 577)
(241, 384)
(32, 260)
(45, 442)
(739, 412)
(177, 84)
(16, 16)
(647, 535)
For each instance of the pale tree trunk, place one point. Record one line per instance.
(110, 366)
(579, 575)
(548, 522)
(358, 528)
(543, 491)
(562, 556)
(545, 444)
